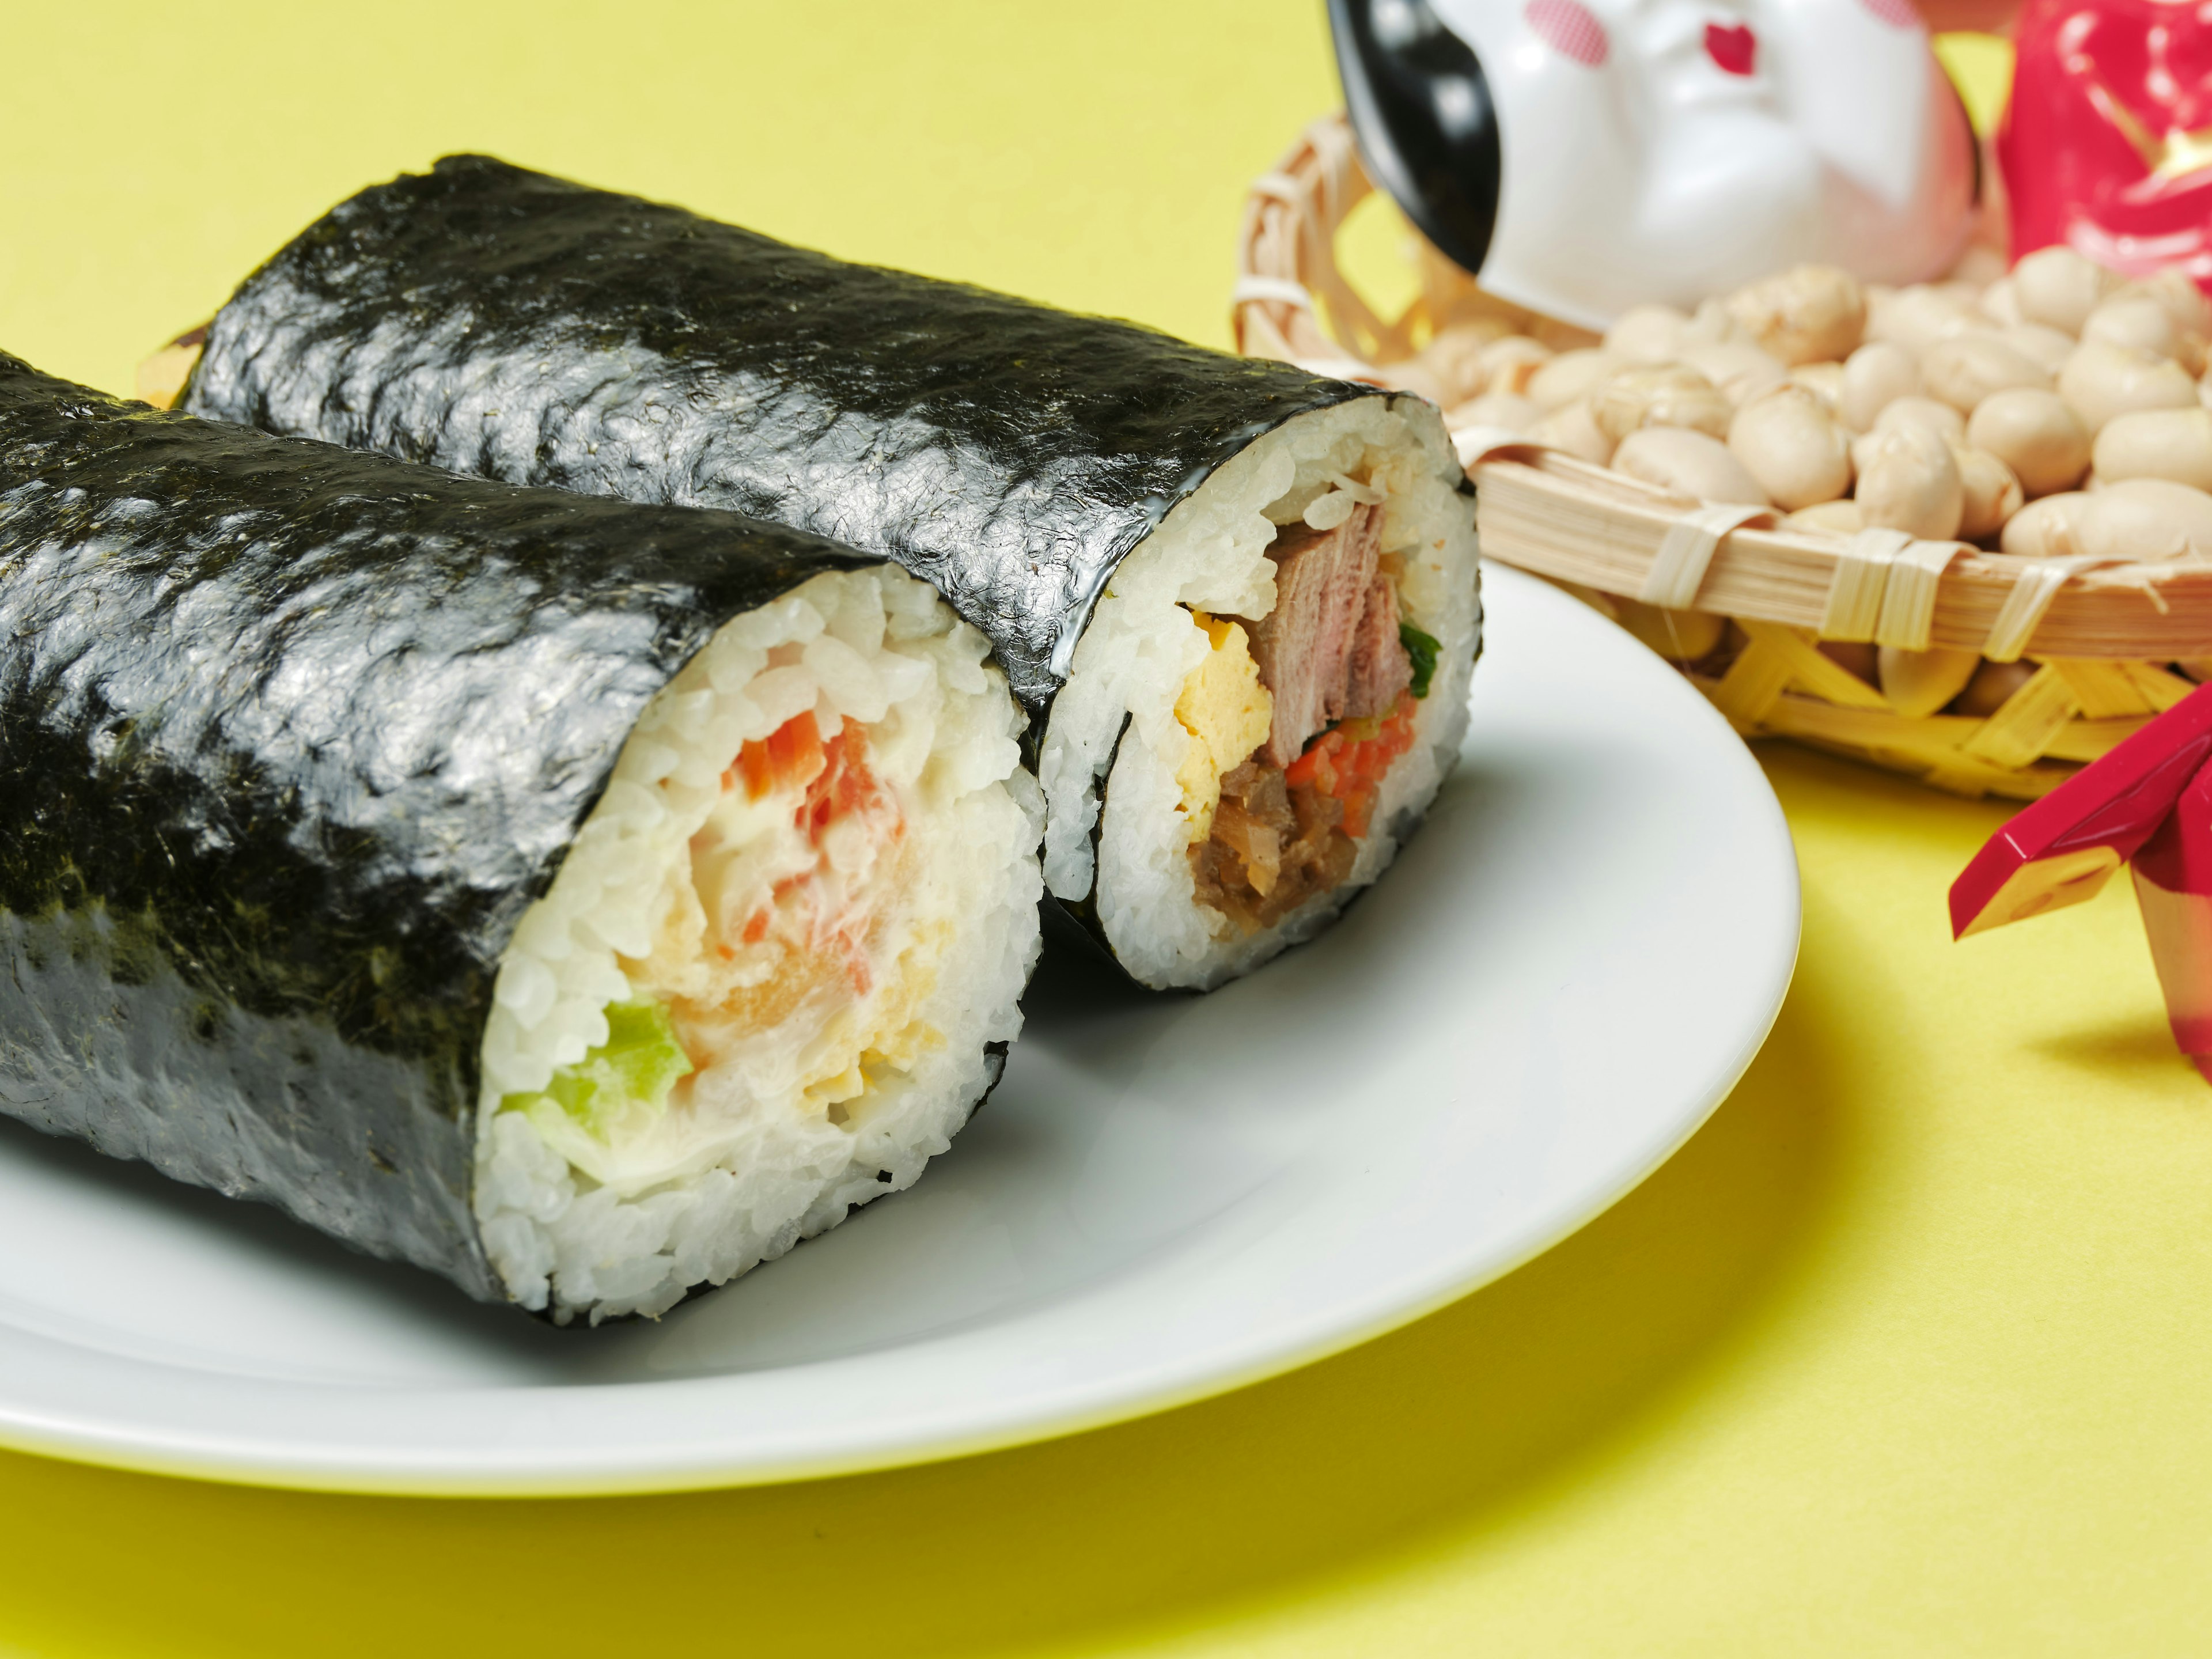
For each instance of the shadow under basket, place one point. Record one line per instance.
(1743, 607)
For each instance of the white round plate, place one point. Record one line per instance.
(1168, 1196)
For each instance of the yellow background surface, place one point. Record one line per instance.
(1907, 1353)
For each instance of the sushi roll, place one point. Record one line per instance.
(1239, 600)
(583, 901)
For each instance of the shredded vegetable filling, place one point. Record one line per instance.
(782, 965)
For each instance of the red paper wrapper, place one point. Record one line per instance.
(2174, 888)
(2107, 146)
(2179, 928)
(2148, 802)
(2062, 850)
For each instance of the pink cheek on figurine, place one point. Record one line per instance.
(1582, 156)
(1571, 29)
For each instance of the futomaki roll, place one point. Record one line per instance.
(584, 901)
(1238, 599)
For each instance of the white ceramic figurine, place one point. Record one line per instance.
(1581, 156)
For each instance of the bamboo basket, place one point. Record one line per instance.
(2101, 638)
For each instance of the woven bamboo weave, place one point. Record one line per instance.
(2101, 638)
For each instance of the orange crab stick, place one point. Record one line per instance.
(2064, 848)
(792, 755)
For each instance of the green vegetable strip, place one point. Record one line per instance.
(638, 1064)
(1422, 648)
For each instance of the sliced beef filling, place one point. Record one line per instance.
(1379, 669)
(1329, 651)
(1304, 646)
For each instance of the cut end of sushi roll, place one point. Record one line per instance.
(1270, 690)
(778, 967)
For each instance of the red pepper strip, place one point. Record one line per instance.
(1301, 773)
(1349, 769)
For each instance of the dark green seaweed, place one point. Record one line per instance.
(289, 739)
(506, 324)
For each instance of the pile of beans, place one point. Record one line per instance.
(2055, 409)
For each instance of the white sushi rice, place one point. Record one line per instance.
(749, 1165)
(1210, 554)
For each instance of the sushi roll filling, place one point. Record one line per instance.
(1267, 695)
(752, 988)
(775, 946)
(1328, 699)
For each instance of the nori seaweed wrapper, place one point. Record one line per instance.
(290, 737)
(506, 324)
